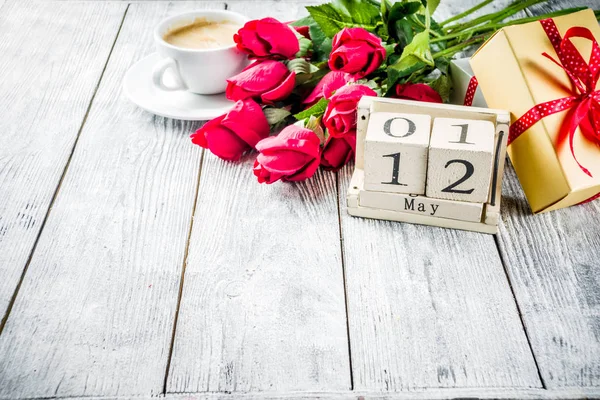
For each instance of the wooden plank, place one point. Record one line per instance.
(51, 67)
(418, 394)
(94, 315)
(552, 263)
(429, 307)
(263, 302)
(554, 5)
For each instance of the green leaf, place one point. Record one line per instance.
(316, 110)
(405, 32)
(301, 66)
(398, 12)
(389, 49)
(333, 17)
(385, 9)
(442, 85)
(305, 47)
(432, 6)
(321, 44)
(403, 69)
(443, 64)
(305, 21)
(321, 47)
(310, 80)
(418, 49)
(275, 115)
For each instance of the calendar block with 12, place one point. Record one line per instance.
(460, 159)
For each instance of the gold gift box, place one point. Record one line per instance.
(513, 75)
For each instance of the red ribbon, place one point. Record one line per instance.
(471, 91)
(584, 104)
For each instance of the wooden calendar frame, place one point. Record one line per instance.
(491, 209)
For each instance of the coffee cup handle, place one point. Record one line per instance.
(159, 71)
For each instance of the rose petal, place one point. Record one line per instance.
(350, 57)
(331, 82)
(261, 76)
(225, 144)
(282, 91)
(263, 175)
(305, 173)
(285, 162)
(418, 92)
(338, 151)
(251, 43)
(248, 121)
(280, 37)
(199, 137)
(303, 30)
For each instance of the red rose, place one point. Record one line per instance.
(231, 135)
(293, 155)
(356, 52)
(268, 81)
(331, 82)
(267, 38)
(338, 151)
(340, 115)
(419, 92)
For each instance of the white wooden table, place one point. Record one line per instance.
(132, 264)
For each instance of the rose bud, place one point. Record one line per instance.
(267, 38)
(356, 52)
(338, 151)
(303, 30)
(331, 82)
(340, 115)
(231, 135)
(293, 155)
(418, 92)
(269, 81)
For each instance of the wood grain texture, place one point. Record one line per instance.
(552, 261)
(263, 301)
(554, 5)
(419, 394)
(51, 66)
(429, 307)
(95, 312)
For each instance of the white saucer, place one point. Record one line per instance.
(138, 87)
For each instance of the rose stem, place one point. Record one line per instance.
(456, 48)
(493, 27)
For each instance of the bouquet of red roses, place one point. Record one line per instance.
(311, 73)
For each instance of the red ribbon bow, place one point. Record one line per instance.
(584, 104)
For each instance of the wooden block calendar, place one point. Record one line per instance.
(431, 164)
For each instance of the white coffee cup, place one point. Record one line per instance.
(202, 71)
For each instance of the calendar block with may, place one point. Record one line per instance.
(431, 164)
